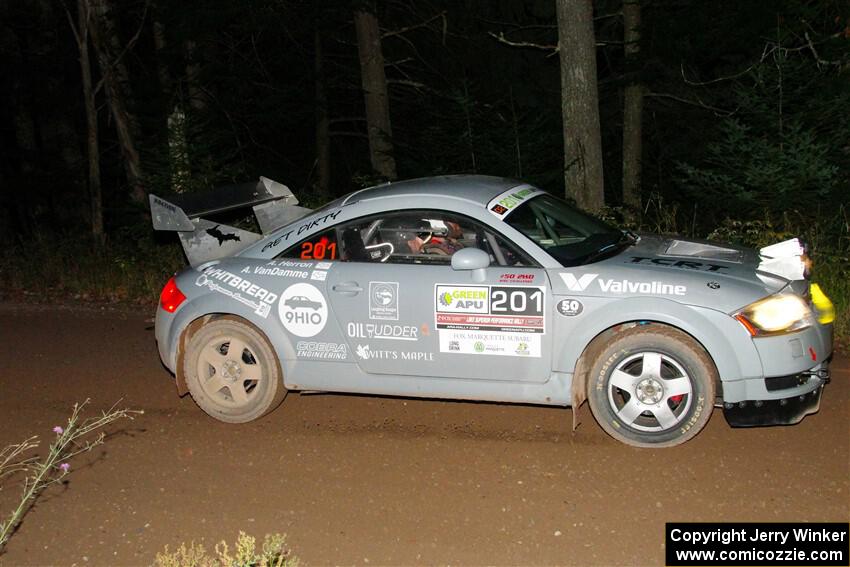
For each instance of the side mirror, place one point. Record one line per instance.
(470, 259)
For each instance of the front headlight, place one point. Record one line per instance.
(774, 315)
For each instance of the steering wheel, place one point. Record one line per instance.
(370, 232)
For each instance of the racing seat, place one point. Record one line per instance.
(353, 246)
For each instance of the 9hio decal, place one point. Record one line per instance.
(264, 298)
(303, 310)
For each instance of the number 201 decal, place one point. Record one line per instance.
(516, 300)
(323, 249)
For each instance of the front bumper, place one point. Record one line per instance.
(784, 411)
(795, 370)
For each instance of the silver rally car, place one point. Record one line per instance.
(485, 288)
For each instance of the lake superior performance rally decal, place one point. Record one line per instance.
(490, 320)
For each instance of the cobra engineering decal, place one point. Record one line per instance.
(495, 320)
(303, 310)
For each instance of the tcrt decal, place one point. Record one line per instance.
(684, 264)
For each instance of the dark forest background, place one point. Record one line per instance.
(741, 131)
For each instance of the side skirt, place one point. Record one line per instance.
(347, 377)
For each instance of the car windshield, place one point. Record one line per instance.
(567, 234)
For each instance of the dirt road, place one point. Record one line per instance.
(366, 480)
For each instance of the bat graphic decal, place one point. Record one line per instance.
(222, 237)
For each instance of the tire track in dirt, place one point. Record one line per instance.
(388, 480)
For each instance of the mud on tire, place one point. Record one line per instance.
(652, 386)
(232, 371)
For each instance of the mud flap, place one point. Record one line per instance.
(578, 395)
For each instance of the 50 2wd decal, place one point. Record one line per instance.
(490, 320)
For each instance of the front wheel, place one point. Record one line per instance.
(652, 386)
(232, 371)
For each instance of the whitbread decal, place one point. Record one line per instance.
(303, 310)
(238, 288)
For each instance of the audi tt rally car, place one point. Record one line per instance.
(485, 288)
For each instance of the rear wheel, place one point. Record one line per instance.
(232, 371)
(652, 386)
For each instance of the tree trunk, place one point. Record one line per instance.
(25, 140)
(92, 145)
(323, 139)
(632, 109)
(160, 46)
(104, 40)
(197, 96)
(175, 122)
(580, 104)
(374, 82)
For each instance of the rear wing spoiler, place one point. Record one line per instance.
(273, 203)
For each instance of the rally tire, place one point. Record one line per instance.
(232, 371)
(652, 386)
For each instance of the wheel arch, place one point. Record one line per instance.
(602, 324)
(192, 325)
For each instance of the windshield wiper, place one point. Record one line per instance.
(628, 238)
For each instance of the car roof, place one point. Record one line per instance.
(479, 189)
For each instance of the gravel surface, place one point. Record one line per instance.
(370, 480)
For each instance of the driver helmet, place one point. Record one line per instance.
(401, 231)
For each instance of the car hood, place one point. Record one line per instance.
(711, 274)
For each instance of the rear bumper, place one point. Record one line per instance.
(164, 339)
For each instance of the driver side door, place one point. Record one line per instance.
(404, 309)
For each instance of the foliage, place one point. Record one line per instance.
(41, 472)
(273, 553)
(129, 267)
(830, 249)
(747, 171)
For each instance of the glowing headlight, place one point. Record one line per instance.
(775, 314)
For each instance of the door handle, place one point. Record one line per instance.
(347, 288)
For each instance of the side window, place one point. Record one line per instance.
(320, 246)
(412, 237)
